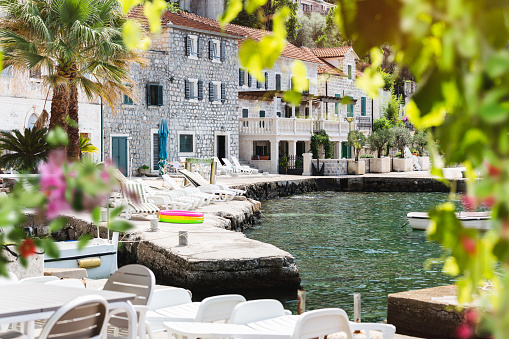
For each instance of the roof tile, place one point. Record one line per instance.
(331, 52)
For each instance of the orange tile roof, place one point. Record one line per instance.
(331, 52)
(324, 66)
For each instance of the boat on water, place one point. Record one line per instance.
(98, 257)
(474, 220)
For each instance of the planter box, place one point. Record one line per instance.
(424, 162)
(402, 164)
(356, 167)
(380, 165)
(143, 171)
(260, 157)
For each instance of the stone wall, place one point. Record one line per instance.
(169, 66)
(336, 167)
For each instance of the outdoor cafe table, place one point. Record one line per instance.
(33, 301)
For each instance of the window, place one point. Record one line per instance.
(186, 143)
(216, 50)
(127, 99)
(249, 80)
(154, 95)
(35, 73)
(245, 113)
(278, 82)
(194, 89)
(31, 121)
(363, 106)
(155, 150)
(266, 80)
(262, 114)
(7, 72)
(216, 91)
(241, 77)
(336, 105)
(349, 112)
(349, 71)
(193, 46)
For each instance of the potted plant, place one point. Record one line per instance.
(143, 169)
(357, 139)
(378, 141)
(402, 138)
(420, 142)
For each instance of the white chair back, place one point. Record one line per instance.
(73, 283)
(41, 279)
(169, 297)
(322, 322)
(10, 279)
(256, 310)
(83, 317)
(136, 279)
(218, 308)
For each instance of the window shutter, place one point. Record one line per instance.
(258, 84)
(211, 91)
(200, 90)
(266, 80)
(249, 78)
(262, 114)
(278, 82)
(223, 92)
(188, 45)
(188, 90)
(148, 94)
(200, 47)
(291, 83)
(160, 95)
(363, 106)
(211, 49)
(241, 77)
(223, 51)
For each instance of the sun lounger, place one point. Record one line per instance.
(198, 180)
(166, 199)
(237, 163)
(135, 199)
(236, 169)
(172, 185)
(223, 195)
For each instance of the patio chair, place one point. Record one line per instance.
(236, 169)
(41, 279)
(10, 279)
(73, 283)
(200, 180)
(136, 201)
(167, 201)
(222, 169)
(327, 321)
(136, 279)
(257, 310)
(173, 186)
(201, 184)
(237, 163)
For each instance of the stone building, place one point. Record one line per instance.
(319, 6)
(190, 80)
(23, 96)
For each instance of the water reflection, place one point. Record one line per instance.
(352, 242)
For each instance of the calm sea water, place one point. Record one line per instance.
(353, 242)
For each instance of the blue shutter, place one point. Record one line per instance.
(363, 106)
(350, 110)
(245, 113)
(249, 78)
(223, 51)
(223, 92)
(278, 82)
(200, 47)
(211, 91)
(148, 95)
(262, 114)
(211, 49)
(266, 80)
(188, 89)
(188, 45)
(241, 77)
(349, 71)
(159, 95)
(258, 84)
(200, 90)
(336, 105)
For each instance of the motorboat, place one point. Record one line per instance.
(473, 220)
(98, 257)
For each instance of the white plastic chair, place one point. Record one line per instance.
(10, 279)
(165, 199)
(41, 279)
(198, 181)
(73, 283)
(136, 279)
(257, 310)
(135, 199)
(237, 163)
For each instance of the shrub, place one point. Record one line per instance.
(391, 109)
(379, 140)
(420, 141)
(357, 139)
(381, 123)
(402, 138)
(364, 156)
(321, 138)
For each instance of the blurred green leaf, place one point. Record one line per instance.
(57, 224)
(83, 241)
(50, 248)
(127, 5)
(57, 137)
(115, 212)
(231, 12)
(131, 34)
(96, 215)
(153, 10)
(119, 225)
(253, 5)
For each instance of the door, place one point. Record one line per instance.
(345, 151)
(119, 153)
(221, 147)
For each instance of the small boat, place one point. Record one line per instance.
(99, 257)
(474, 220)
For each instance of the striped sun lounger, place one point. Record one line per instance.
(137, 202)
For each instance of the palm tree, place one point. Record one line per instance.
(24, 151)
(79, 43)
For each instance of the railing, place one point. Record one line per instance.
(333, 128)
(275, 126)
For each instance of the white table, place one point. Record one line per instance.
(28, 302)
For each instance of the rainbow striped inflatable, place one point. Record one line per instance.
(181, 217)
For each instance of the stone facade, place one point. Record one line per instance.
(204, 120)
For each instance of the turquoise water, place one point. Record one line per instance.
(352, 242)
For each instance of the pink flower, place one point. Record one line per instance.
(53, 184)
(464, 331)
(469, 202)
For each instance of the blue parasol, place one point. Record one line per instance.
(163, 140)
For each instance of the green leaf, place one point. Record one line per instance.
(498, 64)
(299, 80)
(116, 212)
(83, 241)
(119, 225)
(96, 215)
(131, 34)
(128, 4)
(451, 267)
(57, 224)
(57, 137)
(72, 123)
(292, 97)
(153, 11)
(253, 5)
(234, 8)
(50, 248)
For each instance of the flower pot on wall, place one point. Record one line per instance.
(356, 167)
(380, 165)
(402, 164)
(424, 162)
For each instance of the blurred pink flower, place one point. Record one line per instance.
(464, 331)
(53, 184)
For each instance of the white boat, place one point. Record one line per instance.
(99, 257)
(475, 220)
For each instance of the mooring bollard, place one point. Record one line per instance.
(357, 309)
(183, 238)
(154, 225)
(301, 301)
